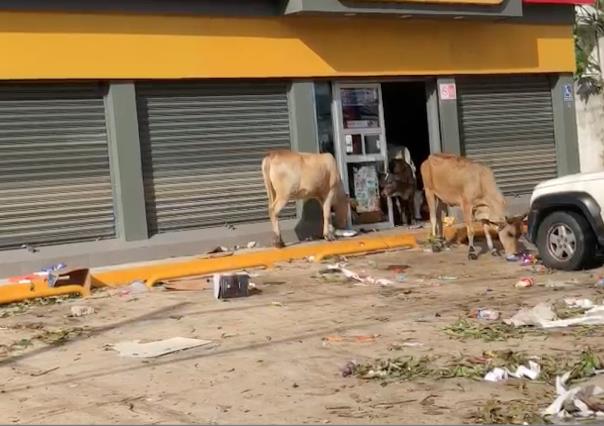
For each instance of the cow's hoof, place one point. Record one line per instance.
(278, 243)
(329, 237)
(472, 255)
(495, 252)
(436, 248)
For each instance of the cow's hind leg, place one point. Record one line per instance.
(273, 212)
(487, 234)
(411, 210)
(399, 205)
(467, 216)
(327, 234)
(432, 202)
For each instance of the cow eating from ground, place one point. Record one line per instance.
(457, 181)
(303, 176)
(399, 184)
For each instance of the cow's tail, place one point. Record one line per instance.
(266, 174)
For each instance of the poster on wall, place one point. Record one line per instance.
(366, 189)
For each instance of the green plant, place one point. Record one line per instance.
(589, 27)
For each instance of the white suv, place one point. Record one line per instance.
(566, 220)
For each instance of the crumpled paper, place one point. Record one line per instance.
(543, 316)
(575, 402)
(499, 374)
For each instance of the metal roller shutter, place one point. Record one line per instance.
(55, 182)
(508, 124)
(202, 146)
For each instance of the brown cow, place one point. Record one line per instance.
(399, 184)
(458, 181)
(302, 176)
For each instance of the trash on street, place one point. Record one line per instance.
(486, 314)
(499, 374)
(525, 282)
(543, 316)
(80, 311)
(135, 349)
(575, 402)
(362, 279)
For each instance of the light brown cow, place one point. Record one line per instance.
(303, 176)
(458, 181)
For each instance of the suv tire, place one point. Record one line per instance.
(565, 241)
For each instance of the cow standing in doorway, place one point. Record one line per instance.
(458, 181)
(303, 176)
(399, 184)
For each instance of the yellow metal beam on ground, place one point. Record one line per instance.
(151, 274)
(18, 292)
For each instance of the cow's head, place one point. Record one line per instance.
(389, 183)
(509, 231)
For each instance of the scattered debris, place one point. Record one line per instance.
(135, 349)
(52, 268)
(29, 248)
(466, 329)
(346, 233)
(557, 284)
(333, 275)
(136, 287)
(401, 278)
(44, 372)
(227, 286)
(80, 311)
(361, 279)
(191, 284)
(348, 368)
(397, 268)
(251, 244)
(400, 346)
(219, 249)
(486, 314)
(600, 282)
(525, 282)
(543, 316)
(277, 304)
(498, 374)
(575, 402)
(353, 339)
(534, 316)
(447, 278)
(527, 259)
(519, 412)
(579, 303)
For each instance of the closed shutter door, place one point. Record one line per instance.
(203, 145)
(508, 124)
(55, 182)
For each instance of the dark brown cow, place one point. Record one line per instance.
(399, 184)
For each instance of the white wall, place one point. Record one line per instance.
(590, 124)
(590, 129)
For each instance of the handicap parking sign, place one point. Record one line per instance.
(567, 91)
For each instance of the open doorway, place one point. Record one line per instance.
(406, 125)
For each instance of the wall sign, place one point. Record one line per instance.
(567, 92)
(448, 92)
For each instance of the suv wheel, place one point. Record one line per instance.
(566, 241)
